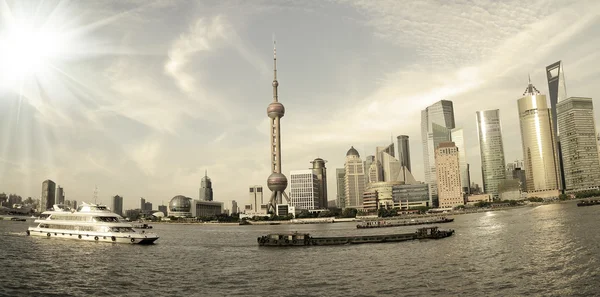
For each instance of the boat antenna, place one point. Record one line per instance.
(95, 194)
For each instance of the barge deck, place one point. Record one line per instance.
(383, 224)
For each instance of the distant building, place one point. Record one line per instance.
(384, 193)
(408, 196)
(539, 146)
(491, 149)
(142, 203)
(117, 205)
(370, 200)
(404, 151)
(60, 195)
(367, 165)
(147, 207)
(436, 122)
(256, 200)
(206, 191)
(320, 171)
(509, 189)
(163, 209)
(447, 165)
(180, 206)
(340, 177)
(203, 208)
(48, 197)
(458, 138)
(578, 142)
(304, 189)
(474, 199)
(234, 207)
(354, 179)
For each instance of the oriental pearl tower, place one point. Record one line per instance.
(277, 182)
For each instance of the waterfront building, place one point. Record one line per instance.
(206, 191)
(320, 171)
(48, 197)
(447, 165)
(60, 195)
(304, 189)
(558, 92)
(578, 142)
(147, 207)
(404, 151)
(407, 196)
(458, 137)
(142, 203)
(204, 208)
(436, 122)
(474, 199)
(384, 193)
(509, 189)
(354, 179)
(539, 148)
(340, 177)
(180, 206)
(163, 209)
(117, 205)
(256, 200)
(491, 149)
(370, 201)
(234, 207)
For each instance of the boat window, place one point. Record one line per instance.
(107, 219)
(275, 236)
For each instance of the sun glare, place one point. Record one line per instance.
(27, 51)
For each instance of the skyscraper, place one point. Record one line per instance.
(436, 122)
(491, 149)
(48, 197)
(117, 205)
(320, 171)
(60, 195)
(539, 148)
(390, 166)
(142, 203)
(404, 151)
(256, 198)
(206, 191)
(558, 91)
(304, 189)
(458, 137)
(277, 182)
(354, 179)
(368, 161)
(578, 142)
(340, 177)
(234, 207)
(450, 193)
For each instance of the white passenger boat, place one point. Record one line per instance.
(90, 222)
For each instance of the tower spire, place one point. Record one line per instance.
(205, 172)
(275, 82)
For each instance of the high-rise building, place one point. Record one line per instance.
(354, 179)
(558, 91)
(117, 205)
(449, 185)
(539, 148)
(491, 149)
(74, 204)
(60, 195)
(256, 198)
(368, 161)
(206, 191)
(578, 142)
(277, 182)
(142, 203)
(147, 206)
(436, 122)
(390, 166)
(340, 177)
(320, 171)
(163, 209)
(404, 151)
(304, 189)
(48, 197)
(234, 207)
(458, 137)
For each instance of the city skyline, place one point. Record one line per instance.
(141, 116)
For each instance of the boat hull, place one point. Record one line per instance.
(378, 224)
(91, 236)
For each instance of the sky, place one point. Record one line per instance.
(139, 98)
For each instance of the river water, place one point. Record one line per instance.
(548, 250)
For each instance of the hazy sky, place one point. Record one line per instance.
(141, 97)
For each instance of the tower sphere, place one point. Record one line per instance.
(277, 182)
(275, 83)
(275, 109)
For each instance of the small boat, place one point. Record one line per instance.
(588, 202)
(304, 239)
(18, 219)
(383, 224)
(91, 222)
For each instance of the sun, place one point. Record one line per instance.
(26, 50)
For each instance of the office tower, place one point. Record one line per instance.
(147, 206)
(320, 171)
(539, 148)
(436, 122)
(206, 191)
(557, 92)
(60, 195)
(458, 137)
(256, 198)
(234, 207)
(404, 151)
(74, 204)
(368, 161)
(277, 182)
(449, 185)
(390, 166)
(117, 205)
(491, 149)
(47, 200)
(578, 142)
(142, 203)
(304, 189)
(340, 177)
(354, 180)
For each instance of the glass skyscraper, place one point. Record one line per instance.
(491, 148)
(458, 137)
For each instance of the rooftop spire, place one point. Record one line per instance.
(531, 90)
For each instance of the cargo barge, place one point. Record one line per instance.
(383, 224)
(588, 202)
(304, 239)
